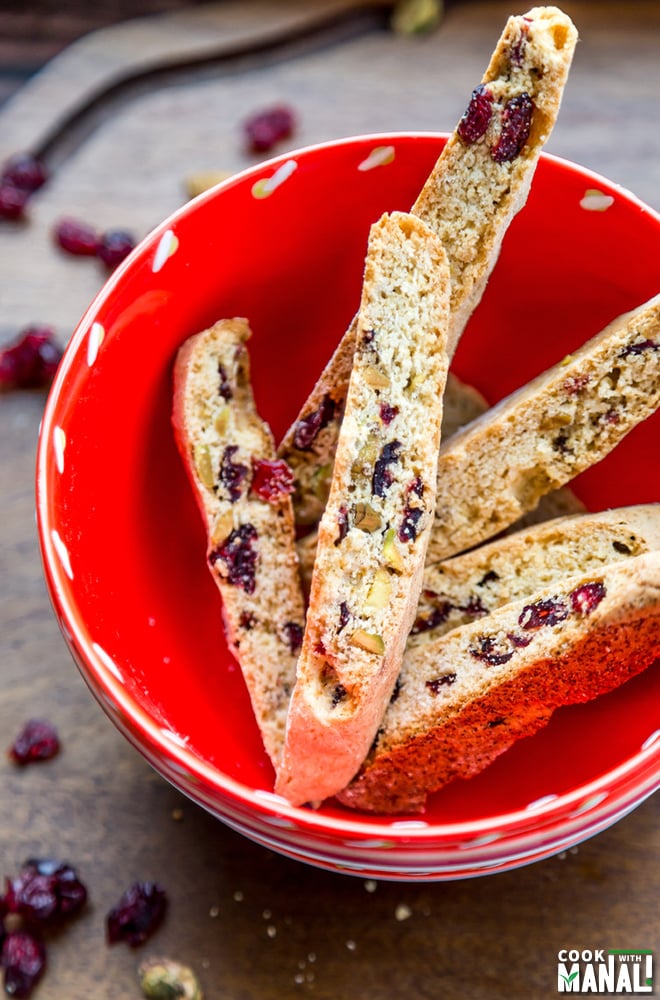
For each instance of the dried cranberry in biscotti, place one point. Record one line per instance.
(271, 480)
(550, 611)
(232, 474)
(382, 476)
(491, 651)
(477, 116)
(309, 426)
(239, 558)
(515, 128)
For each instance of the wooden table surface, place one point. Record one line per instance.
(254, 925)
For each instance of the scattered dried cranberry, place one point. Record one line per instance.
(294, 636)
(491, 652)
(239, 557)
(586, 598)
(548, 612)
(639, 348)
(24, 170)
(45, 889)
(408, 527)
(476, 118)
(388, 413)
(516, 123)
(271, 481)
(12, 201)
(113, 246)
(232, 474)
(382, 477)
(31, 361)
(309, 426)
(38, 740)
(76, 237)
(24, 961)
(439, 682)
(268, 127)
(137, 914)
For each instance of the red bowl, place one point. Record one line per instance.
(123, 545)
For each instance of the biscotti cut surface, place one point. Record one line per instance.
(472, 585)
(543, 435)
(373, 534)
(480, 181)
(244, 497)
(466, 697)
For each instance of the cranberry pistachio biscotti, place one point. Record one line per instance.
(480, 181)
(374, 530)
(547, 432)
(243, 493)
(466, 697)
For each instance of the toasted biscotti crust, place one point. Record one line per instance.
(228, 452)
(468, 696)
(374, 530)
(468, 200)
(543, 435)
(470, 586)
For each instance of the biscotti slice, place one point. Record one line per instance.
(470, 586)
(465, 698)
(543, 435)
(243, 493)
(373, 533)
(480, 181)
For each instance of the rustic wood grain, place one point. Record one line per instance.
(254, 925)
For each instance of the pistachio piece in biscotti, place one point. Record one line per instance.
(243, 492)
(372, 547)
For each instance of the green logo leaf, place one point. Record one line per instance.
(569, 979)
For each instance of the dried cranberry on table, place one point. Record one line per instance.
(76, 237)
(138, 913)
(23, 959)
(113, 246)
(21, 175)
(266, 128)
(25, 171)
(38, 740)
(30, 362)
(44, 891)
(81, 239)
(12, 201)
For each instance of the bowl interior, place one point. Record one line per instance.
(128, 573)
